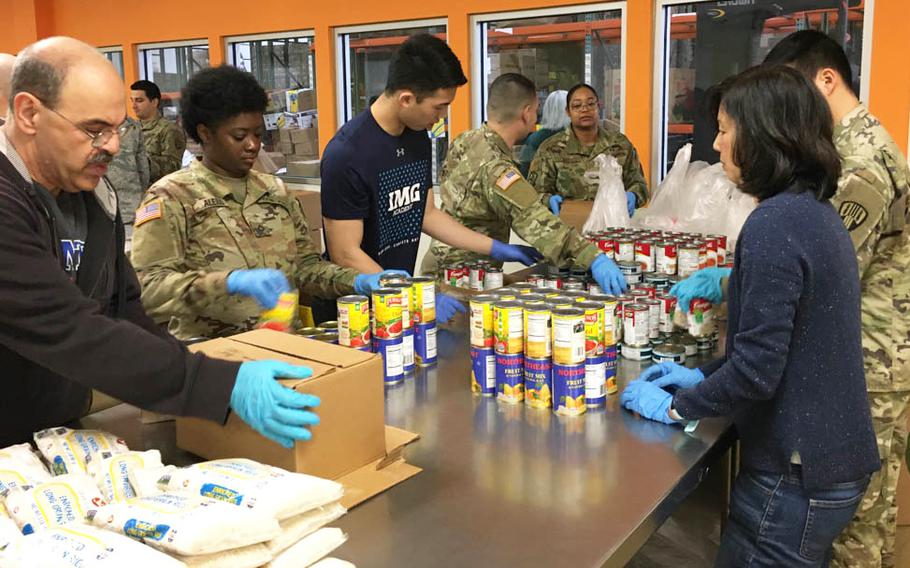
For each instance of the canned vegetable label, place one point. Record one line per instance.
(510, 377)
(387, 313)
(568, 336)
(407, 300)
(508, 327)
(424, 294)
(538, 377)
(482, 321)
(569, 389)
(281, 317)
(538, 333)
(594, 328)
(354, 321)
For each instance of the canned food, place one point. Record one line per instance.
(631, 271)
(327, 338)
(353, 321)
(700, 319)
(644, 254)
(625, 249)
(639, 295)
(392, 358)
(576, 295)
(309, 332)
(636, 352)
(453, 275)
(711, 251)
(568, 336)
(483, 371)
(689, 344)
(407, 300)
(659, 340)
(605, 243)
(387, 313)
(507, 293)
(425, 344)
(636, 326)
(537, 280)
(702, 254)
(492, 278)
(531, 299)
(407, 350)
(476, 273)
(508, 327)
(538, 378)
(721, 248)
(424, 296)
(610, 324)
(554, 282)
(649, 289)
(669, 353)
(667, 307)
(569, 389)
(595, 381)
(610, 354)
(704, 343)
(594, 327)
(282, 316)
(653, 318)
(523, 288)
(594, 288)
(560, 302)
(658, 280)
(537, 329)
(688, 259)
(573, 283)
(330, 326)
(665, 257)
(510, 385)
(481, 307)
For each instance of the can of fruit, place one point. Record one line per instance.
(644, 254)
(508, 327)
(530, 299)
(481, 307)
(688, 259)
(544, 291)
(425, 344)
(492, 278)
(636, 331)
(667, 306)
(538, 377)
(354, 321)
(595, 316)
(595, 381)
(424, 295)
(510, 380)
(569, 389)
(665, 257)
(537, 329)
(610, 354)
(476, 273)
(483, 371)
(392, 358)
(387, 313)
(569, 336)
(631, 271)
(653, 317)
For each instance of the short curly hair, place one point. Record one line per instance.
(213, 96)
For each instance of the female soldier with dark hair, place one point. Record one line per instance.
(216, 243)
(791, 376)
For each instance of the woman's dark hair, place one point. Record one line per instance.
(214, 95)
(576, 88)
(783, 133)
(423, 64)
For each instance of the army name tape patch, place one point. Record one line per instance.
(506, 180)
(152, 210)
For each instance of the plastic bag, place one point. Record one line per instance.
(740, 207)
(251, 556)
(63, 500)
(8, 530)
(609, 209)
(19, 466)
(111, 472)
(332, 563)
(703, 208)
(310, 549)
(67, 450)
(666, 201)
(295, 528)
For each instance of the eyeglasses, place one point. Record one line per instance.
(100, 138)
(579, 106)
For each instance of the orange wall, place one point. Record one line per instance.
(113, 22)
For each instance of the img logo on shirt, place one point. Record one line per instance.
(72, 255)
(405, 196)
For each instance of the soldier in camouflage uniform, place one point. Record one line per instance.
(164, 140)
(128, 172)
(560, 164)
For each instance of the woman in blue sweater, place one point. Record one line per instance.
(791, 376)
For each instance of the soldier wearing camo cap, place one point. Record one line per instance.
(564, 167)
(164, 141)
(482, 189)
(216, 243)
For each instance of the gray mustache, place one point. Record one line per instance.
(103, 158)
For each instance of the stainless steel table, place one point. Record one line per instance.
(507, 485)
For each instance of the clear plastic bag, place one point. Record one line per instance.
(707, 198)
(609, 209)
(668, 199)
(740, 207)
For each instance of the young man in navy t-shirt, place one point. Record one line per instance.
(377, 175)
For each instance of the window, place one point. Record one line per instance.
(702, 43)
(364, 54)
(115, 56)
(170, 66)
(557, 49)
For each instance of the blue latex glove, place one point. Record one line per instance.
(648, 400)
(515, 253)
(446, 306)
(271, 409)
(608, 275)
(263, 284)
(705, 283)
(630, 202)
(364, 284)
(672, 374)
(555, 204)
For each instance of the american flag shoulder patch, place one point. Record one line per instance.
(506, 180)
(151, 210)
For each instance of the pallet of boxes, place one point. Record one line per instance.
(296, 129)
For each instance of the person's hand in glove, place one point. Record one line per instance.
(555, 204)
(705, 283)
(273, 410)
(514, 253)
(648, 400)
(672, 374)
(265, 285)
(608, 275)
(446, 307)
(630, 202)
(364, 284)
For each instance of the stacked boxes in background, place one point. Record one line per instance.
(292, 123)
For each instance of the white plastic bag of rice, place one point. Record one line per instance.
(112, 472)
(19, 466)
(63, 500)
(332, 563)
(250, 484)
(295, 528)
(144, 481)
(310, 549)
(83, 546)
(68, 450)
(251, 556)
(185, 524)
(8, 530)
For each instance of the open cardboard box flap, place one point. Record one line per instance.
(376, 477)
(327, 353)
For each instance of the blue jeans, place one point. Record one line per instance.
(775, 521)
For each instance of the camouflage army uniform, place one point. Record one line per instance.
(191, 231)
(129, 172)
(164, 144)
(559, 166)
(482, 189)
(872, 198)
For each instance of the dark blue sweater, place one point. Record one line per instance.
(792, 373)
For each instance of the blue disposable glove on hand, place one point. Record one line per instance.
(263, 284)
(672, 374)
(555, 204)
(648, 400)
(608, 275)
(364, 284)
(630, 202)
(273, 410)
(705, 283)
(446, 306)
(514, 253)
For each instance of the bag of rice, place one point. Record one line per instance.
(310, 549)
(111, 472)
(144, 481)
(83, 546)
(185, 524)
(68, 450)
(62, 500)
(20, 466)
(251, 556)
(253, 485)
(10, 532)
(295, 528)
(332, 563)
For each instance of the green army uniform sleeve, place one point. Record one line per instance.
(510, 194)
(633, 177)
(542, 174)
(169, 287)
(166, 153)
(862, 200)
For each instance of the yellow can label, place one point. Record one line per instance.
(387, 315)
(568, 339)
(281, 317)
(594, 331)
(508, 329)
(481, 324)
(354, 323)
(538, 335)
(424, 294)
(610, 324)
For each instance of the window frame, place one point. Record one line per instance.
(304, 33)
(142, 63)
(115, 49)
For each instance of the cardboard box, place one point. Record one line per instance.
(306, 100)
(285, 146)
(311, 203)
(352, 444)
(575, 212)
(284, 135)
(304, 168)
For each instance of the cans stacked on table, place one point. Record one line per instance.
(477, 276)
